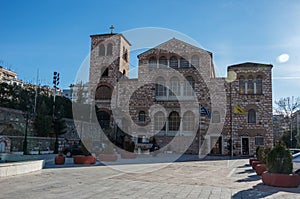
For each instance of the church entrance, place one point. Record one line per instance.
(216, 142)
(245, 146)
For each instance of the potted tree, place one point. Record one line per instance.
(280, 165)
(128, 153)
(251, 160)
(108, 154)
(59, 159)
(262, 157)
(86, 158)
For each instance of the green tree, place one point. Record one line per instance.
(43, 121)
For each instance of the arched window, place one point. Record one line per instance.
(173, 62)
(103, 93)
(250, 85)
(125, 54)
(163, 61)
(109, 49)
(174, 87)
(159, 121)
(188, 121)
(183, 62)
(142, 116)
(189, 85)
(259, 84)
(152, 62)
(215, 117)
(195, 61)
(160, 87)
(242, 85)
(174, 121)
(251, 116)
(102, 50)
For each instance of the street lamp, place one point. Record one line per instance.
(231, 77)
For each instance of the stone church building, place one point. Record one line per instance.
(177, 101)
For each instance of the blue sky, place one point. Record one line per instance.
(54, 35)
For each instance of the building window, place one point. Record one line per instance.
(250, 89)
(152, 62)
(183, 63)
(259, 140)
(125, 54)
(188, 121)
(103, 93)
(142, 116)
(160, 87)
(216, 117)
(242, 85)
(163, 61)
(251, 116)
(195, 61)
(173, 62)
(159, 121)
(259, 84)
(189, 86)
(105, 72)
(109, 49)
(174, 121)
(174, 87)
(102, 50)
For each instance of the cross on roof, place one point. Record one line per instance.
(111, 29)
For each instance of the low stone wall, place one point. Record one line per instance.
(10, 169)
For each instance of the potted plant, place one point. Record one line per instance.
(128, 153)
(59, 159)
(262, 157)
(108, 154)
(280, 165)
(86, 158)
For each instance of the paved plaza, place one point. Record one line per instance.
(192, 179)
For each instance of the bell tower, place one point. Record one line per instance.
(109, 61)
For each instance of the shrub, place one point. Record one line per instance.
(129, 146)
(279, 160)
(262, 154)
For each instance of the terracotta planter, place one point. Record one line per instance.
(260, 168)
(128, 155)
(281, 180)
(108, 157)
(59, 159)
(254, 163)
(251, 160)
(81, 159)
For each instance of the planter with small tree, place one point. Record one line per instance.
(60, 159)
(108, 154)
(280, 165)
(128, 153)
(87, 158)
(255, 158)
(262, 157)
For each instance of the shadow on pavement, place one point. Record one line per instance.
(262, 191)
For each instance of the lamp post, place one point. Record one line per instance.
(231, 77)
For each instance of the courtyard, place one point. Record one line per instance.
(233, 178)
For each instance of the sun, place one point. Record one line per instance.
(283, 58)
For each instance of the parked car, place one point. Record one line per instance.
(73, 150)
(294, 151)
(296, 162)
